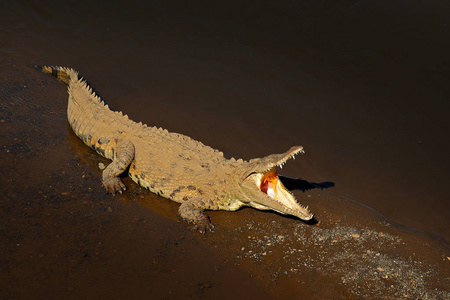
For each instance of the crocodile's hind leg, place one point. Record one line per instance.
(124, 156)
(192, 211)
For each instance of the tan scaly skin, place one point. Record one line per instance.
(172, 165)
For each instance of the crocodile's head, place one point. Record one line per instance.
(262, 189)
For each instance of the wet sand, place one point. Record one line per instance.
(64, 238)
(368, 137)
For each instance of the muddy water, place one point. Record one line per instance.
(362, 85)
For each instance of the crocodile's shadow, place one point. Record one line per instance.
(303, 185)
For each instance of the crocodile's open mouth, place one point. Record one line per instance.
(264, 190)
(283, 200)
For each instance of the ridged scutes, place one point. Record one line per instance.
(79, 87)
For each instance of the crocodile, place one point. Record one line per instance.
(173, 165)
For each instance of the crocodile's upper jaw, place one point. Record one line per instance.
(263, 189)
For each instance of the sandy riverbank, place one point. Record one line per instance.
(64, 238)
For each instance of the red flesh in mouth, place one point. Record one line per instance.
(269, 183)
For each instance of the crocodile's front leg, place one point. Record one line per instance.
(124, 156)
(193, 209)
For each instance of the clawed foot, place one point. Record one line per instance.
(114, 185)
(204, 227)
(192, 211)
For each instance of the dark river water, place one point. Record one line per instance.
(363, 86)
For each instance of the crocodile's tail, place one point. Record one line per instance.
(62, 74)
